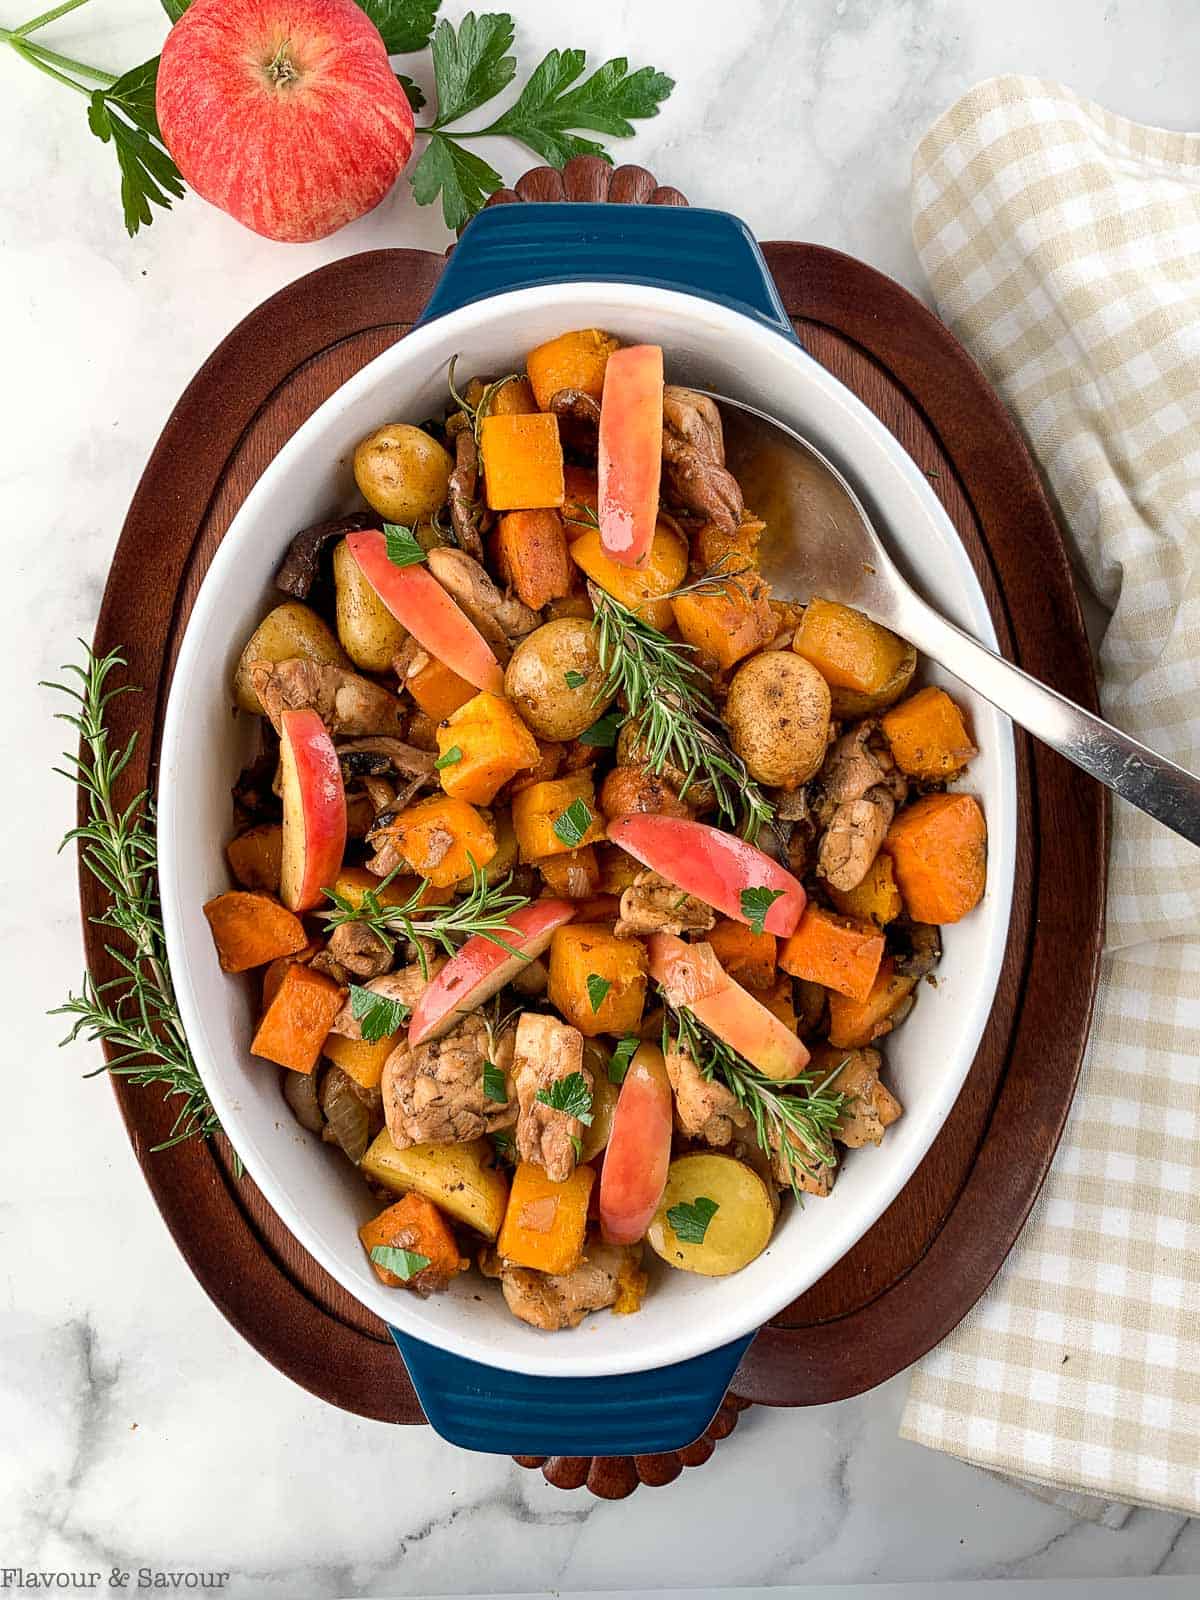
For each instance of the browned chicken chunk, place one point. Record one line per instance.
(546, 1052)
(694, 458)
(608, 1275)
(358, 951)
(860, 788)
(500, 618)
(407, 986)
(703, 1110)
(653, 904)
(869, 1108)
(435, 1094)
(345, 702)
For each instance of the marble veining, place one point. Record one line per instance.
(136, 1429)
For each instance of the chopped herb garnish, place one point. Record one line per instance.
(494, 1085)
(618, 1062)
(690, 1219)
(402, 547)
(504, 1145)
(404, 1263)
(573, 823)
(602, 734)
(577, 1146)
(756, 903)
(571, 1096)
(451, 759)
(376, 1013)
(574, 679)
(597, 989)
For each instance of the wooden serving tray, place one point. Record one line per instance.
(934, 1252)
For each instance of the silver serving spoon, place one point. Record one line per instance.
(824, 543)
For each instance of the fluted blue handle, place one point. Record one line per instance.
(510, 1413)
(706, 253)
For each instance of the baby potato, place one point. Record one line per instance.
(777, 714)
(402, 472)
(737, 1231)
(368, 631)
(292, 629)
(554, 679)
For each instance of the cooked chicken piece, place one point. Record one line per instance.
(358, 951)
(608, 1275)
(499, 618)
(345, 702)
(703, 1110)
(857, 762)
(467, 510)
(324, 962)
(694, 457)
(653, 904)
(434, 1094)
(869, 1108)
(859, 787)
(547, 1050)
(407, 986)
(810, 1175)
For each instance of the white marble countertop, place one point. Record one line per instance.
(136, 1429)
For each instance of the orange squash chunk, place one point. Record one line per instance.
(492, 745)
(545, 1222)
(847, 648)
(574, 360)
(574, 876)
(729, 624)
(536, 809)
(837, 952)
(438, 690)
(928, 735)
(297, 1021)
(415, 1224)
(419, 833)
(583, 950)
(249, 929)
(938, 847)
(531, 554)
(747, 956)
(640, 588)
(256, 856)
(854, 1023)
(876, 899)
(361, 1059)
(522, 461)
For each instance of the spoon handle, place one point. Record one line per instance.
(1146, 780)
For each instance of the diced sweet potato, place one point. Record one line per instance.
(437, 690)
(838, 952)
(256, 856)
(713, 546)
(512, 397)
(522, 462)
(250, 928)
(641, 587)
(415, 1224)
(531, 555)
(574, 876)
(728, 624)
(938, 847)
(545, 1222)
(876, 899)
(580, 951)
(865, 665)
(440, 838)
(747, 956)
(296, 1023)
(273, 973)
(481, 746)
(581, 507)
(928, 735)
(535, 811)
(574, 360)
(854, 1023)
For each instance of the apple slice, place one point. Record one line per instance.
(715, 866)
(417, 601)
(638, 1153)
(482, 968)
(314, 810)
(690, 975)
(630, 451)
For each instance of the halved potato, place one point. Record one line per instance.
(737, 1231)
(461, 1179)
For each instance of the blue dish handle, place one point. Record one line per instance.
(711, 254)
(510, 1413)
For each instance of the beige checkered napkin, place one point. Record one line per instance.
(1062, 245)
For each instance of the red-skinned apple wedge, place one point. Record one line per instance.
(714, 866)
(314, 810)
(482, 968)
(417, 600)
(285, 113)
(630, 451)
(638, 1153)
(691, 976)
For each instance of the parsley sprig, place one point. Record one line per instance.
(484, 910)
(756, 903)
(377, 1014)
(403, 1263)
(690, 1218)
(570, 1095)
(795, 1117)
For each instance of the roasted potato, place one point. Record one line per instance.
(292, 629)
(737, 1231)
(402, 472)
(555, 678)
(461, 1179)
(369, 633)
(777, 713)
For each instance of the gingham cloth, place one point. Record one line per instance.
(1062, 246)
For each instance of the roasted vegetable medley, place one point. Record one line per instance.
(582, 876)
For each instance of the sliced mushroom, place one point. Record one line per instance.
(694, 456)
(916, 948)
(303, 560)
(499, 618)
(467, 511)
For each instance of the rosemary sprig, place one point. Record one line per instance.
(133, 1015)
(476, 413)
(484, 910)
(799, 1112)
(666, 696)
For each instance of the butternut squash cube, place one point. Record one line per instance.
(535, 811)
(481, 746)
(640, 588)
(597, 981)
(522, 461)
(731, 623)
(437, 690)
(297, 1021)
(440, 838)
(415, 1224)
(928, 736)
(865, 665)
(574, 360)
(545, 1222)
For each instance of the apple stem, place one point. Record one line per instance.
(281, 69)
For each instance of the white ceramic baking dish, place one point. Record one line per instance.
(664, 1369)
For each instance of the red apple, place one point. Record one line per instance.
(314, 810)
(690, 975)
(638, 1153)
(630, 456)
(716, 867)
(417, 600)
(482, 968)
(285, 113)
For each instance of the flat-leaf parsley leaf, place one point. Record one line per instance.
(572, 824)
(574, 679)
(756, 903)
(494, 1086)
(597, 989)
(618, 1062)
(403, 549)
(690, 1219)
(404, 1263)
(376, 1013)
(571, 1096)
(451, 759)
